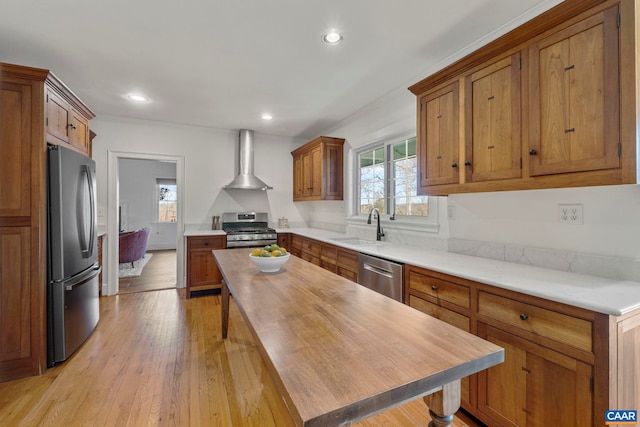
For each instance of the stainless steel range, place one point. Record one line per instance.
(248, 229)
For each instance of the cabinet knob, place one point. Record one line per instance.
(434, 288)
(532, 152)
(454, 165)
(523, 316)
(71, 126)
(467, 163)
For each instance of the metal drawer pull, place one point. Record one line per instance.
(434, 288)
(523, 316)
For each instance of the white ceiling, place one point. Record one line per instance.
(222, 63)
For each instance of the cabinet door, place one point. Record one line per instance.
(204, 269)
(535, 386)
(15, 146)
(575, 114)
(438, 137)
(19, 323)
(58, 117)
(315, 172)
(284, 240)
(79, 135)
(307, 174)
(493, 139)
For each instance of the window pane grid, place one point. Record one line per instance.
(402, 186)
(167, 202)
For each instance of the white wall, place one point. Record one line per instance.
(138, 199)
(210, 162)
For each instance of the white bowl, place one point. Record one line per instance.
(269, 264)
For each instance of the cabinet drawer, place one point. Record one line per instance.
(348, 274)
(329, 255)
(348, 259)
(217, 242)
(312, 259)
(448, 316)
(311, 247)
(440, 289)
(556, 326)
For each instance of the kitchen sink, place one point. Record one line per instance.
(354, 241)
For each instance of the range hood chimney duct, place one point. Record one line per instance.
(246, 180)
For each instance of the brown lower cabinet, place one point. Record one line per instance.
(336, 259)
(202, 270)
(564, 365)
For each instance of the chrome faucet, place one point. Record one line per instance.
(379, 232)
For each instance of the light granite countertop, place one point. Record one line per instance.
(607, 296)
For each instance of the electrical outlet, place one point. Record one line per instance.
(570, 214)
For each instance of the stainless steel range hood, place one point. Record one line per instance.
(245, 179)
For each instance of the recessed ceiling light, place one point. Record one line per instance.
(266, 116)
(137, 97)
(332, 38)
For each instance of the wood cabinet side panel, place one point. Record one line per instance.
(15, 146)
(628, 363)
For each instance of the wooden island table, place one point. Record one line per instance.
(339, 352)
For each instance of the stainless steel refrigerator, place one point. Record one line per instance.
(73, 307)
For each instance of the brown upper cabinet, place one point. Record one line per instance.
(541, 107)
(67, 118)
(438, 134)
(318, 170)
(575, 120)
(493, 143)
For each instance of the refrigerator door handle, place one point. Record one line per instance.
(86, 231)
(81, 279)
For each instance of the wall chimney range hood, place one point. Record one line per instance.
(245, 179)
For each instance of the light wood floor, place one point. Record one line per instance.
(158, 273)
(158, 359)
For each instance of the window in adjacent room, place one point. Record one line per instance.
(388, 180)
(167, 191)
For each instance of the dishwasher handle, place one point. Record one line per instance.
(378, 270)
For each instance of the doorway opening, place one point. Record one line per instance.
(145, 190)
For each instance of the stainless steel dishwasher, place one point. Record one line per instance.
(381, 275)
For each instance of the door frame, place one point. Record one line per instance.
(113, 201)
